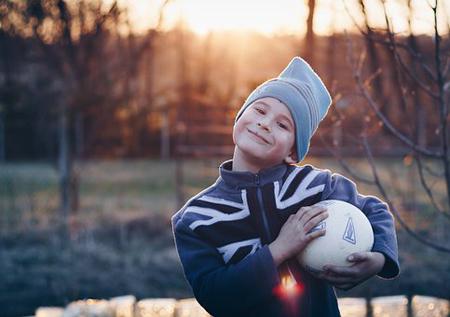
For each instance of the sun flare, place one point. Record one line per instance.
(284, 16)
(251, 15)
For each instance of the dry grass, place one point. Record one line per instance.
(121, 242)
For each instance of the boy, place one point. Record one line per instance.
(237, 240)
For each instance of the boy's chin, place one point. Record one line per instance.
(261, 157)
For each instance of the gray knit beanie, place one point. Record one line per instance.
(305, 95)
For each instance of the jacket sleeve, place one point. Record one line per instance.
(385, 240)
(222, 289)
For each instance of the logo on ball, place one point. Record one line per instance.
(339, 240)
(349, 233)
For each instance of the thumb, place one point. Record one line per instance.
(358, 256)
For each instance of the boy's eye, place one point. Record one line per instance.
(282, 125)
(259, 110)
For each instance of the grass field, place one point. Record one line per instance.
(122, 242)
(29, 191)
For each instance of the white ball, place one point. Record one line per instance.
(347, 231)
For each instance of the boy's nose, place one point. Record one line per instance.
(263, 125)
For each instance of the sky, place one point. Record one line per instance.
(284, 16)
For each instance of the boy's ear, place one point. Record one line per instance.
(292, 157)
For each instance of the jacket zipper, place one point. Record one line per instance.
(285, 266)
(263, 211)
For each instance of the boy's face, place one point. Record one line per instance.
(265, 133)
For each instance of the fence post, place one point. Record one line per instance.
(369, 306)
(409, 305)
(179, 181)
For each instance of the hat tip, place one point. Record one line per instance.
(299, 59)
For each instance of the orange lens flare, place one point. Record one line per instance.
(289, 291)
(288, 287)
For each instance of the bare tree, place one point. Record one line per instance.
(95, 63)
(309, 41)
(417, 120)
(141, 51)
(72, 41)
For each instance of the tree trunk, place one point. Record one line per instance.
(2, 135)
(308, 44)
(185, 104)
(79, 136)
(165, 136)
(179, 181)
(64, 163)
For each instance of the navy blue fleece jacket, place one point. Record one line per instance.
(222, 237)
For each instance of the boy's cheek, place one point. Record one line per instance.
(234, 136)
(237, 130)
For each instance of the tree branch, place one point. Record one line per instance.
(373, 105)
(391, 204)
(431, 172)
(427, 188)
(393, 46)
(442, 105)
(344, 165)
(374, 35)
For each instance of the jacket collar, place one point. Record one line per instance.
(240, 180)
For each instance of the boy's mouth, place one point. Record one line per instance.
(259, 136)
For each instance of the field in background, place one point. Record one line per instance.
(29, 191)
(121, 241)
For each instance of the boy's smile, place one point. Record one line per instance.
(265, 134)
(258, 138)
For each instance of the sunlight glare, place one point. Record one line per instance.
(251, 15)
(284, 16)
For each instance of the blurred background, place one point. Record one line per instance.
(114, 113)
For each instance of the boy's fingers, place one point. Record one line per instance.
(315, 234)
(313, 222)
(310, 212)
(294, 218)
(358, 256)
(298, 214)
(343, 271)
(336, 279)
(301, 212)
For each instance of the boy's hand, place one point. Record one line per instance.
(366, 264)
(296, 232)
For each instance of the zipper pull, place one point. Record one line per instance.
(257, 179)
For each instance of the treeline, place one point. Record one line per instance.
(166, 93)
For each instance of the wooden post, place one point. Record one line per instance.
(369, 306)
(63, 160)
(63, 164)
(409, 306)
(165, 136)
(179, 181)
(2, 135)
